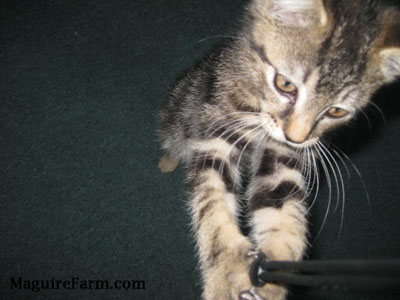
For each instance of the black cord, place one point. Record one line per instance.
(377, 275)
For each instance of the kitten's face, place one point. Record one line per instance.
(320, 66)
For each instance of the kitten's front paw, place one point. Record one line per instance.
(267, 291)
(228, 277)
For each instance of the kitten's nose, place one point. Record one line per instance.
(298, 130)
(295, 139)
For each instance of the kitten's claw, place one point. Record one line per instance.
(246, 296)
(250, 295)
(167, 164)
(253, 254)
(256, 296)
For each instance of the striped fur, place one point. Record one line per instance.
(250, 147)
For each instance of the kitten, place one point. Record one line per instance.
(247, 123)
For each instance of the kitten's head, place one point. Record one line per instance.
(311, 65)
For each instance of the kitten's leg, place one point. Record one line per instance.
(167, 163)
(280, 234)
(222, 249)
(276, 202)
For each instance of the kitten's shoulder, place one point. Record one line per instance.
(198, 82)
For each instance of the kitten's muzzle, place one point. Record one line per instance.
(297, 130)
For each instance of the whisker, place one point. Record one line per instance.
(379, 110)
(234, 126)
(309, 176)
(316, 175)
(366, 117)
(337, 168)
(255, 148)
(342, 161)
(357, 172)
(325, 153)
(236, 130)
(229, 129)
(245, 146)
(342, 186)
(305, 171)
(239, 139)
(224, 124)
(328, 179)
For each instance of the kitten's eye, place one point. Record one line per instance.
(337, 112)
(284, 85)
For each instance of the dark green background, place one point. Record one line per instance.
(81, 83)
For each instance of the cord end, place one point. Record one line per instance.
(256, 271)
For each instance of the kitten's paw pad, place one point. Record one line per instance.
(167, 164)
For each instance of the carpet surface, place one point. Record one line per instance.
(81, 83)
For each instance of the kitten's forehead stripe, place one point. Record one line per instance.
(306, 75)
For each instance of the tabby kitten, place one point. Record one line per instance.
(247, 123)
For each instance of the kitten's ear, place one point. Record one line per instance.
(389, 52)
(298, 13)
(390, 63)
